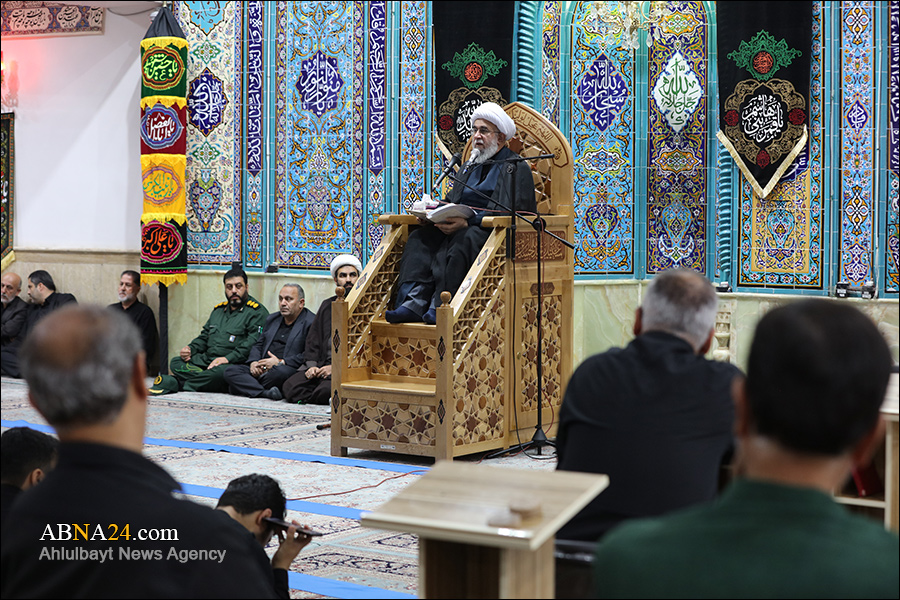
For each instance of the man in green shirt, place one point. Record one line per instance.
(229, 333)
(807, 412)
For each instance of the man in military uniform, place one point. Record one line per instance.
(229, 333)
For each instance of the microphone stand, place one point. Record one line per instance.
(539, 439)
(538, 224)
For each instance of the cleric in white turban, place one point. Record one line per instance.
(311, 384)
(490, 111)
(437, 257)
(345, 260)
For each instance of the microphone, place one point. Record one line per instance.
(454, 161)
(473, 156)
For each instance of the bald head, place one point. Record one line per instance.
(10, 287)
(78, 362)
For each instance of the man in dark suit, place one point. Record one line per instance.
(13, 316)
(44, 300)
(278, 352)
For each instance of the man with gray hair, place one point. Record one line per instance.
(278, 351)
(13, 315)
(43, 299)
(656, 416)
(104, 523)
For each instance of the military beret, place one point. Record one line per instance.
(163, 384)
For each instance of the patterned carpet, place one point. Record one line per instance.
(205, 440)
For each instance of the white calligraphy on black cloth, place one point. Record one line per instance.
(762, 118)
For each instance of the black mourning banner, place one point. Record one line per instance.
(7, 186)
(164, 251)
(473, 46)
(764, 53)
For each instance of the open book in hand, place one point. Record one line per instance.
(428, 209)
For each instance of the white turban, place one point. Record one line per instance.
(490, 111)
(344, 260)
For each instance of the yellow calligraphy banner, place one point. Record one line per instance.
(162, 177)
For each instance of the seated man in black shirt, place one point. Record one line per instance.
(26, 457)
(15, 310)
(249, 501)
(139, 313)
(656, 416)
(311, 384)
(278, 351)
(85, 372)
(43, 299)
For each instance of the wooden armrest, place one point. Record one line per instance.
(495, 222)
(550, 220)
(390, 219)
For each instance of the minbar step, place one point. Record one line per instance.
(381, 386)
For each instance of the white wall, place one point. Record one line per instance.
(78, 179)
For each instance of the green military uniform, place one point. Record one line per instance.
(228, 333)
(760, 539)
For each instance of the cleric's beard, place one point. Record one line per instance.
(490, 149)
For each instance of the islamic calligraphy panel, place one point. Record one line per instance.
(359, 124)
(214, 153)
(413, 100)
(207, 102)
(892, 237)
(377, 120)
(254, 216)
(780, 238)
(857, 142)
(318, 147)
(29, 19)
(677, 91)
(677, 117)
(550, 61)
(602, 127)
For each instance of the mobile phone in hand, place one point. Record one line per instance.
(284, 525)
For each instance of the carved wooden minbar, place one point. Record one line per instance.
(469, 383)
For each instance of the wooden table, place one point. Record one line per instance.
(470, 543)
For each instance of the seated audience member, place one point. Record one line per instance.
(44, 297)
(13, 320)
(229, 333)
(139, 313)
(44, 300)
(437, 257)
(248, 501)
(26, 457)
(85, 372)
(807, 412)
(278, 351)
(656, 416)
(312, 382)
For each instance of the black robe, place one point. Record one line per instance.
(433, 262)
